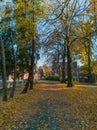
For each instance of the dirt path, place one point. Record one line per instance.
(53, 112)
(54, 107)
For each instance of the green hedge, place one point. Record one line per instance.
(52, 78)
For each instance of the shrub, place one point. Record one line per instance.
(53, 78)
(74, 79)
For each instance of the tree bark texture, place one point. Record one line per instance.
(89, 64)
(3, 71)
(32, 65)
(63, 64)
(69, 66)
(14, 81)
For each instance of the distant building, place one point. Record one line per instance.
(36, 76)
(24, 76)
(21, 77)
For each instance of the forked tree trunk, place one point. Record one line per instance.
(30, 82)
(3, 71)
(69, 66)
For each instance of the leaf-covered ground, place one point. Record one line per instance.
(51, 107)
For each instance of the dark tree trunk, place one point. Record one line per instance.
(30, 81)
(33, 50)
(63, 64)
(14, 81)
(32, 65)
(3, 71)
(89, 64)
(26, 86)
(69, 66)
(58, 62)
(29, 84)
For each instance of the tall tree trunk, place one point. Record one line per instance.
(69, 66)
(30, 82)
(32, 65)
(31, 68)
(68, 44)
(89, 64)
(58, 61)
(33, 49)
(14, 81)
(3, 71)
(63, 64)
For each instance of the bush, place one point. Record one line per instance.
(53, 78)
(74, 79)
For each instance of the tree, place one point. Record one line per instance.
(9, 37)
(68, 15)
(2, 50)
(15, 72)
(54, 49)
(85, 45)
(28, 12)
